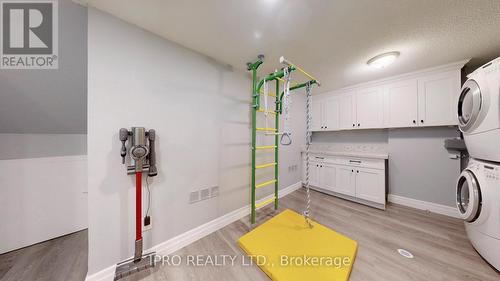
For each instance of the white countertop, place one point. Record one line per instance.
(360, 154)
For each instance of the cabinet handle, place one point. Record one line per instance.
(352, 170)
(355, 161)
(326, 127)
(359, 124)
(317, 157)
(414, 122)
(422, 121)
(357, 172)
(354, 125)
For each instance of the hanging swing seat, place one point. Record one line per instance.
(293, 251)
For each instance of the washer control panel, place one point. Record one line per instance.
(491, 172)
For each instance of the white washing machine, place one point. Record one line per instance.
(479, 112)
(478, 201)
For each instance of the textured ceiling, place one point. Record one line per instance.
(331, 39)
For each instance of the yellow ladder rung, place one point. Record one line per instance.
(266, 111)
(271, 94)
(266, 147)
(266, 129)
(265, 183)
(261, 204)
(283, 81)
(265, 165)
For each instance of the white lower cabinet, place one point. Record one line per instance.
(346, 181)
(370, 185)
(328, 175)
(363, 179)
(314, 174)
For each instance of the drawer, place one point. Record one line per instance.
(362, 162)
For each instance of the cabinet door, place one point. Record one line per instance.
(345, 181)
(317, 115)
(370, 108)
(314, 174)
(401, 104)
(328, 174)
(370, 185)
(331, 114)
(437, 96)
(346, 104)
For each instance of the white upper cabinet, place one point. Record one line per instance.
(423, 98)
(369, 108)
(437, 99)
(346, 108)
(401, 103)
(331, 114)
(317, 115)
(325, 114)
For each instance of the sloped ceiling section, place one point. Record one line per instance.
(331, 39)
(50, 101)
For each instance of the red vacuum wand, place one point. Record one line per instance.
(138, 206)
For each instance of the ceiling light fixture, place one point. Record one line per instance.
(383, 60)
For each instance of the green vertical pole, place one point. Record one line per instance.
(255, 105)
(276, 143)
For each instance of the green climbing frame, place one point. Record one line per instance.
(256, 90)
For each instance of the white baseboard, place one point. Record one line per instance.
(107, 274)
(180, 241)
(424, 205)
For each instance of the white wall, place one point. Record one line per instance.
(201, 112)
(40, 199)
(22, 146)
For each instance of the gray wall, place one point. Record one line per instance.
(419, 165)
(50, 101)
(22, 146)
(201, 112)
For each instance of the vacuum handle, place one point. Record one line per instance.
(123, 138)
(152, 153)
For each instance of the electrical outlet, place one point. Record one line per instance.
(214, 191)
(205, 193)
(194, 196)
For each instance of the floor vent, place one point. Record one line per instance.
(405, 253)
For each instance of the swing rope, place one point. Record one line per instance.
(307, 211)
(286, 138)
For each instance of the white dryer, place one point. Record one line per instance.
(478, 201)
(479, 112)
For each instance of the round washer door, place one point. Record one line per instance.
(469, 105)
(468, 196)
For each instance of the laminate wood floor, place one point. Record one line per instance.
(440, 247)
(60, 259)
(439, 244)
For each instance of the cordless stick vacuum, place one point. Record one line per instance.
(142, 153)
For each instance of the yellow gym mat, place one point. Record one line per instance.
(286, 249)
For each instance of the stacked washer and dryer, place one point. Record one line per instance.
(478, 187)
